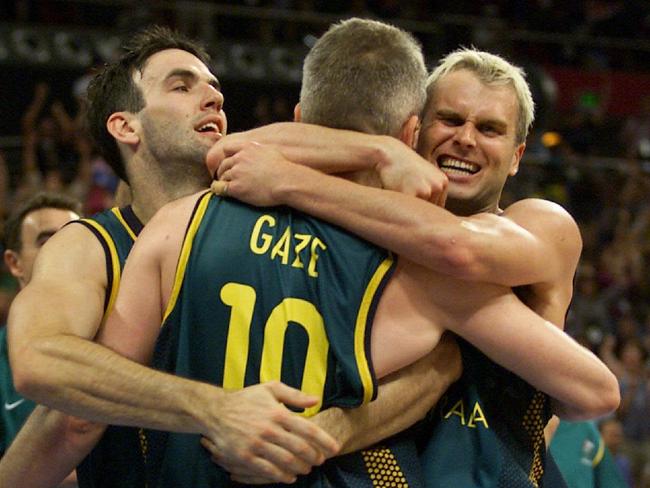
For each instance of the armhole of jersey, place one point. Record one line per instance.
(365, 317)
(192, 228)
(112, 262)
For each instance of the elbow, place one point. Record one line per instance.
(26, 370)
(455, 259)
(606, 398)
(598, 402)
(610, 399)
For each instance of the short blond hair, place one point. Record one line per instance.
(491, 69)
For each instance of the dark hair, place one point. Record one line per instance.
(113, 90)
(12, 229)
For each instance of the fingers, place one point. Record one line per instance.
(254, 467)
(291, 396)
(441, 199)
(219, 188)
(307, 436)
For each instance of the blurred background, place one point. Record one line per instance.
(587, 61)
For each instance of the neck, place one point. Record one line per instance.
(152, 193)
(155, 184)
(465, 208)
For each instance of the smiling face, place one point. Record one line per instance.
(468, 130)
(183, 114)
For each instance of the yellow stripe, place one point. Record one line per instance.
(600, 454)
(119, 216)
(360, 329)
(115, 264)
(185, 252)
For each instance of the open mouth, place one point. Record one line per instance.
(210, 127)
(452, 166)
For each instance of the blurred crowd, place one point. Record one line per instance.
(597, 166)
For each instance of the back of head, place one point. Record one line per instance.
(113, 88)
(363, 75)
(491, 70)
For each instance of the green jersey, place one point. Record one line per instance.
(116, 229)
(487, 430)
(15, 409)
(260, 295)
(583, 458)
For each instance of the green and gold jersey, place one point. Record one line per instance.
(117, 460)
(260, 295)
(487, 430)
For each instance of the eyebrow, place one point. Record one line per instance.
(188, 74)
(45, 234)
(499, 124)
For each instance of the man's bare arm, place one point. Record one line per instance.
(483, 247)
(48, 447)
(494, 320)
(404, 397)
(52, 326)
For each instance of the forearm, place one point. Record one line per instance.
(413, 228)
(82, 378)
(403, 398)
(322, 148)
(46, 450)
(544, 356)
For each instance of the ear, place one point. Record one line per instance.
(14, 264)
(410, 131)
(296, 113)
(123, 126)
(516, 159)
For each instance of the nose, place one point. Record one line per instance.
(465, 135)
(212, 98)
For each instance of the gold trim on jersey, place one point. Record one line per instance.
(360, 328)
(118, 213)
(115, 264)
(600, 454)
(192, 229)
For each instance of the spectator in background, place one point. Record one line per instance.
(583, 458)
(52, 158)
(28, 228)
(611, 431)
(635, 134)
(589, 320)
(627, 360)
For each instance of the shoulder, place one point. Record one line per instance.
(181, 208)
(73, 250)
(546, 220)
(164, 233)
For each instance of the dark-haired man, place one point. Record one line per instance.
(154, 114)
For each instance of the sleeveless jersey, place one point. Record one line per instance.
(487, 430)
(116, 229)
(259, 295)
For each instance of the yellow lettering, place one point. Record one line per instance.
(282, 247)
(459, 410)
(315, 244)
(306, 315)
(477, 416)
(303, 241)
(255, 245)
(242, 300)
